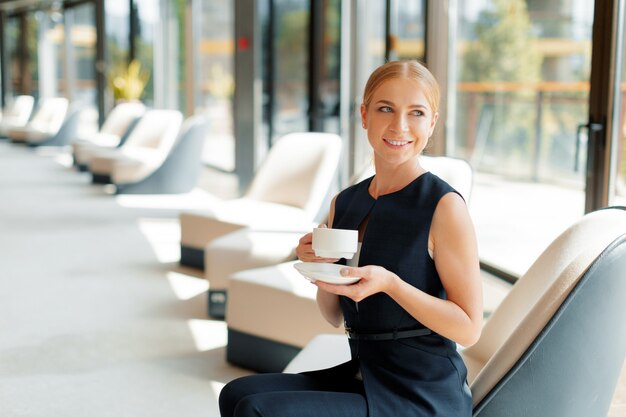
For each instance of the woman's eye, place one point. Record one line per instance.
(417, 113)
(385, 109)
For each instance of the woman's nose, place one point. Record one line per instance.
(400, 123)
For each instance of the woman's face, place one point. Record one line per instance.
(398, 120)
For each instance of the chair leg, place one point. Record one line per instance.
(100, 179)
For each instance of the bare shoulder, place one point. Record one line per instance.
(451, 214)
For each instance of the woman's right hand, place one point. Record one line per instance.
(305, 251)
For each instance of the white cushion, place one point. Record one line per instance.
(246, 249)
(324, 351)
(275, 303)
(84, 150)
(532, 301)
(298, 171)
(16, 113)
(143, 152)
(200, 227)
(45, 123)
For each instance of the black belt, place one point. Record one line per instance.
(396, 334)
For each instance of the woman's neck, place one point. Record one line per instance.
(389, 179)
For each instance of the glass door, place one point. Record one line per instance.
(286, 62)
(618, 180)
(522, 88)
(385, 30)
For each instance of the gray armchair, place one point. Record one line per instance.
(180, 170)
(556, 344)
(564, 354)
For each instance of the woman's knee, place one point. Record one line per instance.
(251, 406)
(231, 394)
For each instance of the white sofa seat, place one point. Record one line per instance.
(245, 249)
(45, 123)
(114, 128)
(127, 165)
(272, 312)
(289, 190)
(16, 113)
(230, 215)
(145, 149)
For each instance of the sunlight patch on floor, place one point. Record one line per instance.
(207, 334)
(216, 387)
(186, 287)
(163, 235)
(196, 199)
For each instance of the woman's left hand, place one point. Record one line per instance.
(374, 279)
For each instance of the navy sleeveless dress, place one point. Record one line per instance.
(417, 376)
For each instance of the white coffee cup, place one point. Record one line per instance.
(335, 243)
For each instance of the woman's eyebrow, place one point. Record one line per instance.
(391, 103)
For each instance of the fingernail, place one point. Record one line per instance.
(344, 271)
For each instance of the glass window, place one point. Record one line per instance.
(407, 38)
(12, 57)
(176, 54)
(148, 13)
(30, 68)
(82, 29)
(619, 193)
(331, 55)
(375, 30)
(83, 41)
(522, 89)
(117, 43)
(408, 31)
(214, 52)
(291, 64)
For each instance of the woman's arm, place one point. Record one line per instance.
(328, 303)
(455, 253)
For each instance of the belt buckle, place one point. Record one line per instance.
(347, 330)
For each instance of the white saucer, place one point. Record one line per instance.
(315, 271)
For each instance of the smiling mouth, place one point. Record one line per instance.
(397, 143)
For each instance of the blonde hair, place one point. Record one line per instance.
(409, 69)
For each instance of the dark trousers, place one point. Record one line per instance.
(314, 394)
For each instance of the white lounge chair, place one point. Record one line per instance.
(44, 124)
(16, 113)
(117, 125)
(179, 171)
(288, 192)
(145, 149)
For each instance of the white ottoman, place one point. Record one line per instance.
(271, 314)
(199, 228)
(241, 250)
(324, 351)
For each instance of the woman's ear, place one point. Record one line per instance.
(363, 116)
(433, 123)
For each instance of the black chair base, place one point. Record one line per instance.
(100, 179)
(192, 257)
(258, 354)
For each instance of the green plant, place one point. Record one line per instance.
(129, 83)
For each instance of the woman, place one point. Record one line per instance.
(420, 289)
